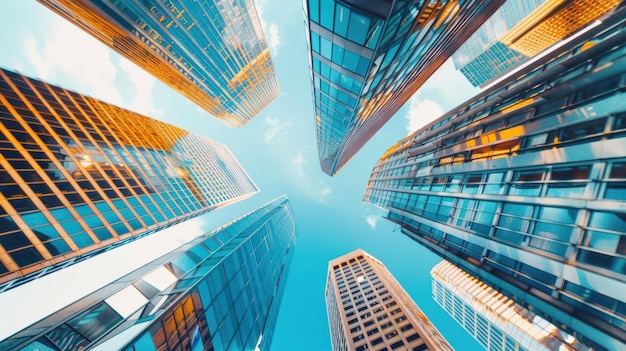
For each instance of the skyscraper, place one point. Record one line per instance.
(220, 291)
(212, 52)
(368, 309)
(367, 60)
(78, 175)
(522, 186)
(521, 29)
(495, 321)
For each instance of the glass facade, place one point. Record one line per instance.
(212, 52)
(367, 61)
(521, 29)
(220, 291)
(496, 322)
(523, 186)
(368, 309)
(78, 175)
(483, 57)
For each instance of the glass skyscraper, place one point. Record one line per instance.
(212, 52)
(220, 291)
(495, 321)
(521, 29)
(368, 58)
(523, 186)
(78, 175)
(369, 310)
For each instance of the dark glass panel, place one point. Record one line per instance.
(67, 339)
(26, 256)
(95, 321)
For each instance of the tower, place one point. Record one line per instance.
(519, 30)
(496, 322)
(219, 291)
(367, 59)
(522, 186)
(368, 309)
(79, 176)
(213, 52)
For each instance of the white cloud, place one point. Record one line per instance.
(143, 83)
(275, 128)
(271, 32)
(421, 112)
(89, 68)
(322, 190)
(88, 65)
(298, 164)
(316, 189)
(273, 37)
(372, 220)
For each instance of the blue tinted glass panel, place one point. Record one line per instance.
(144, 343)
(314, 10)
(357, 30)
(341, 20)
(96, 321)
(315, 42)
(328, 11)
(337, 54)
(82, 240)
(327, 48)
(351, 60)
(57, 247)
(363, 65)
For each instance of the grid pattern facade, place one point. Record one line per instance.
(78, 174)
(553, 21)
(212, 52)
(220, 291)
(523, 186)
(369, 310)
(483, 57)
(367, 61)
(495, 321)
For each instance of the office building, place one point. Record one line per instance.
(495, 321)
(521, 29)
(368, 309)
(78, 175)
(483, 56)
(212, 52)
(367, 59)
(522, 186)
(220, 291)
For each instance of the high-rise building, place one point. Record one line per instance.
(522, 186)
(220, 291)
(368, 309)
(212, 52)
(78, 175)
(521, 29)
(494, 320)
(368, 58)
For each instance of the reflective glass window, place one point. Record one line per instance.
(95, 321)
(358, 28)
(328, 12)
(341, 20)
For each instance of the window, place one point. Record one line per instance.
(372, 332)
(358, 337)
(526, 183)
(397, 344)
(406, 327)
(391, 334)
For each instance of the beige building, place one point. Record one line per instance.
(368, 309)
(495, 321)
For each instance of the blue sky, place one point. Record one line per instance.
(277, 148)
